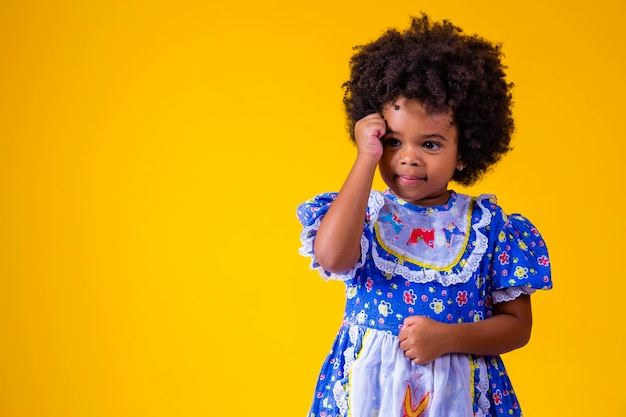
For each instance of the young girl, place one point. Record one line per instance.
(438, 283)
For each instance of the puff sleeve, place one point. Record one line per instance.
(310, 214)
(521, 264)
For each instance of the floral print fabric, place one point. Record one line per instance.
(450, 263)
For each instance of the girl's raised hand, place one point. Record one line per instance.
(368, 133)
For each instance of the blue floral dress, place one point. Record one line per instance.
(450, 263)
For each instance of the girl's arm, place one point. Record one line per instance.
(423, 339)
(337, 244)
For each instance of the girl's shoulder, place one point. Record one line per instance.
(317, 206)
(514, 227)
(488, 203)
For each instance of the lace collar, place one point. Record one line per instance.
(429, 243)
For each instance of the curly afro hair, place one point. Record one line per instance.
(446, 70)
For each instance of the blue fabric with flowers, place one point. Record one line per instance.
(450, 263)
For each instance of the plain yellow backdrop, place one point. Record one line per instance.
(153, 154)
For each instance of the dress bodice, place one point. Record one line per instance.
(449, 262)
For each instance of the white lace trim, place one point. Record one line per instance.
(349, 354)
(307, 237)
(425, 275)
(482, 386)
(375, 203)
(508, 294)
(341, 397)
(340, 390)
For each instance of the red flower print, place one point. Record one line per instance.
(543, 260)
(409, 297)
(497, 397)
(461, 298)
(369, 284)
(503, 258)
(424, 298)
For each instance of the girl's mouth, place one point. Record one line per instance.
(410, 179)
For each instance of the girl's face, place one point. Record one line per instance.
(420, 152)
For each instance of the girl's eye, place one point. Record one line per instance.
(433, 146)
(391, 142)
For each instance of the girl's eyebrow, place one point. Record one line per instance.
(434, 136)
(423, 136)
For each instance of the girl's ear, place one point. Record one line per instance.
(460, 165)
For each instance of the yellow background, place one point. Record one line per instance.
(153, 153)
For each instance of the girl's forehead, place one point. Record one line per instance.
(413, 108)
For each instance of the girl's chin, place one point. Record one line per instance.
(422, 200)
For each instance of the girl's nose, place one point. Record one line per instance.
(410, 156)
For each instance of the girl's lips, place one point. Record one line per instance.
(410, 178)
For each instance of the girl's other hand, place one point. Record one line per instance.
(368, 133)
(421, 339)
